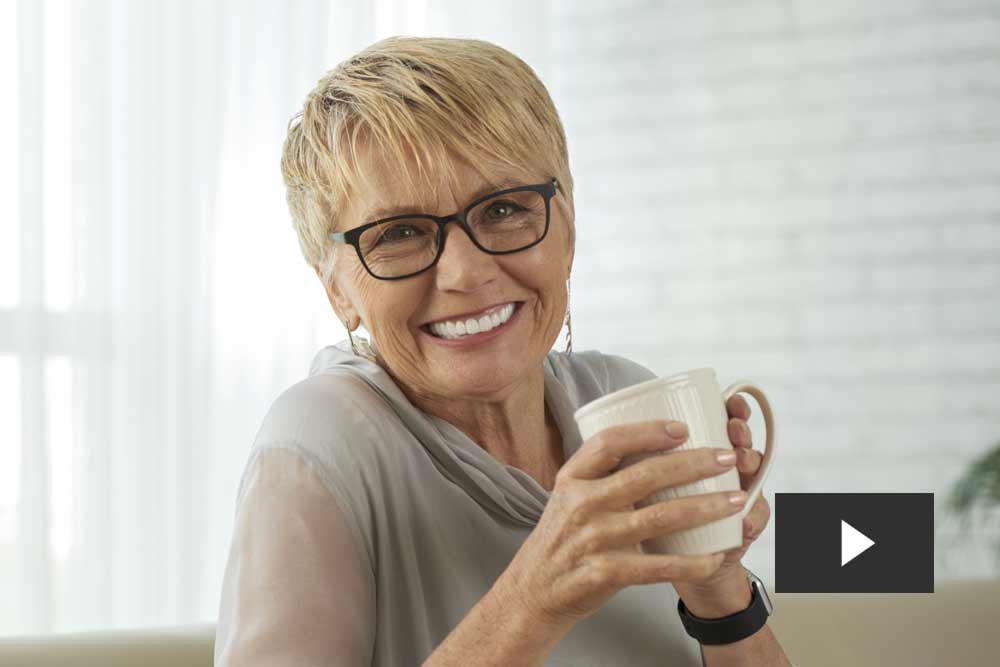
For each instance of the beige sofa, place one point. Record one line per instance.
(957, 626)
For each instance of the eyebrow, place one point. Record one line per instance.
(379, 212)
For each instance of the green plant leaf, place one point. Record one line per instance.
(979, 486)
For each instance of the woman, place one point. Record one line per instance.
(426, 498)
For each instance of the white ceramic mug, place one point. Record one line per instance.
(694, 398)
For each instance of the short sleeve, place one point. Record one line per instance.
(298, 588)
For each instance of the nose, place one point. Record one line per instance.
(463, 266)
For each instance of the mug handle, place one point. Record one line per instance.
(751, 388)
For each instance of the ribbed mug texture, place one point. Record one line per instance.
(695, 398)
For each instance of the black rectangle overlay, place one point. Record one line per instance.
(808, 542)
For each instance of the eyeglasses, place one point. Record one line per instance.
(404, 245)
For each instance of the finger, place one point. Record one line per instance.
(748, 461)
(739, 433)
(737, 406)
(620, 569)
(757, 518)
(664, 517)
(659, 471)
(602, 452)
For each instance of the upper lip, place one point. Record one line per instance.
(470, 314)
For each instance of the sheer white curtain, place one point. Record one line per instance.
(153, 301)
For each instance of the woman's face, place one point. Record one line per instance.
(465, 280)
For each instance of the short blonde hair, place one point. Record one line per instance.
(429, 98)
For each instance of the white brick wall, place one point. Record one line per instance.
(806, 194)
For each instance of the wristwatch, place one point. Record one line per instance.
(734, 627)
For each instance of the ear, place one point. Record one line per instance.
(342, 306)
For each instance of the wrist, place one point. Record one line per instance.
(723, 597)
(537, 632)
(516, 638)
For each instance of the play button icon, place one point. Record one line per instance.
(852, 543)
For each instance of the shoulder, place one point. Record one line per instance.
(323, 408)
(338, 424)
(595, 373)
(324, 428)
(623, 372)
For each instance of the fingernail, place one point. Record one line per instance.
(738, 497)
(677, 429)
(726, 458)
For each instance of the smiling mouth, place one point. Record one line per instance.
(426, 328)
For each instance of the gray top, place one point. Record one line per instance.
(366, 528)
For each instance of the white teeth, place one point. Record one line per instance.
(457, 329)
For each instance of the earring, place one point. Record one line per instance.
(361, 345)
(569, 323)
(354, 347)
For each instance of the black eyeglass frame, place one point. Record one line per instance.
(353, 236)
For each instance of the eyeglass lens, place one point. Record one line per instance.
(503, 223)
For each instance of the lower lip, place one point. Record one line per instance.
(476, 339)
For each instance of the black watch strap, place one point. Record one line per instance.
(727, 629)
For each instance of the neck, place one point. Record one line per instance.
(513, 424)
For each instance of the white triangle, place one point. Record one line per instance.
(852, 542)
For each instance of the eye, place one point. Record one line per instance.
(503, 208)
(399, 232)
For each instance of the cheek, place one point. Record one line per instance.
(542, 267)
(388, 307)
(358, 275)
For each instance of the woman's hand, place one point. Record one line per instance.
(586, 546)
(748, 462)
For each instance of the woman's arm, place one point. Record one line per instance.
(498, 631)
(296, 590)
(761, 648)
